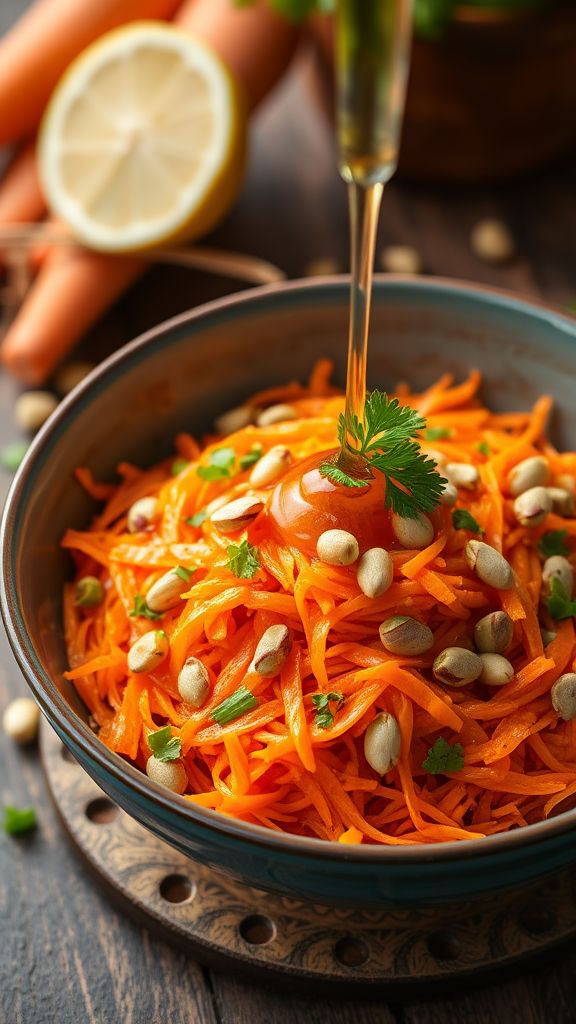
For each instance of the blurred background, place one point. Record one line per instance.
(485, 189)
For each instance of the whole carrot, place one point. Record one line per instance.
(75, 286)
(36, 51)
(21, 197)
(255, 42)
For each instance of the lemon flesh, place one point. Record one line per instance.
(143, 141)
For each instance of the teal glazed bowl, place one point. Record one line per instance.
(180, 376)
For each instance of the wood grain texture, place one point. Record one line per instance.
(65, 955)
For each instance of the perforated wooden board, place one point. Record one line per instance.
(225, 924)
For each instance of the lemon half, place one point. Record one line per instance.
(143, 140)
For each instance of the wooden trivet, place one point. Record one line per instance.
(225, 924)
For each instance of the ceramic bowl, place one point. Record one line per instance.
(179, 376)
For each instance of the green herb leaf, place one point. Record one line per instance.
(142, 611)
(463, 520)
(386, 440)
(444, 757)
(484, 449)
(324, 714)
(164, 746)
(243, 560)
(178, 466)
(184, 574)
(197, 519)
(237, 704)
(338, 476)
(251, 457)
(11, 455)
(554, 542)
(17, 821)
(220, 465)
(437, 434)
(558, 603)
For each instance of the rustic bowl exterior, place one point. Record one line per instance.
(179, 376)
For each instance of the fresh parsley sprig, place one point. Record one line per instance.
(554, 542)
(243, 560)
(462, 519)
(444, 757)
(559, 603)
(163, 745)
(324, 713)
(386, 440)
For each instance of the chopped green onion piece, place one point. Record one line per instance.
(437, 434)
(142, 611)
(220, 465)
(197, 519)
(237, 704)
(251, 457)
(88, 592)
(17, 821)
(178, 466)
(11, 455)
(184, 574)
(484, 448)
(164, 746)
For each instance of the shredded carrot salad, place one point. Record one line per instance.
(280, 763)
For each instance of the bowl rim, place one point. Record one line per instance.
(53, 703)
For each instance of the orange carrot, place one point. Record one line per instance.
(21, 196)
(39, 47)
(293, 759)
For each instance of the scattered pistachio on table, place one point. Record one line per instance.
(383, 743)
(401, 259)
(337, 547)
(33, 408)
(492, 241)
(531, 472)
(403, 635)
(21, 719)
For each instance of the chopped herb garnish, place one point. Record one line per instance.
(11, 455)
(237, 704)
(163, 745)
(184, 574)
(197, 519)
(221, 462)
(386, 440)
(437, 434)
(484, 449)
(444, 757)
(251, 457)
(17, 821)
(324, 714)
(243, 560)
(178, 466)
(142, 611)
(558, 602)
(463, 520)
(554, 542)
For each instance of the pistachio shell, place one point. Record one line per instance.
(149, 651)
(456, 666)
(496, 670)
(559, 568)
(171, 774)
(375, 572)
(489, 565)
(166, 592)
(21, 719)
(337, 547)
(493, 633)
(33, 408)
(562, 501)
(142, 515)
(404, 635)
(276, 414)
(462, 474)
(237, 514)
(272, 650)
(563, 695)
(382, 743)
(531, 472)
(532, 506)
(270, 467)
(193, 682)
(416, 532)
(234, 419)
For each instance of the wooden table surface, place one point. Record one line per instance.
(65, 954)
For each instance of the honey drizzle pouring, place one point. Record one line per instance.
(371, 46)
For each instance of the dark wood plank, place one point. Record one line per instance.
(240, 1003)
